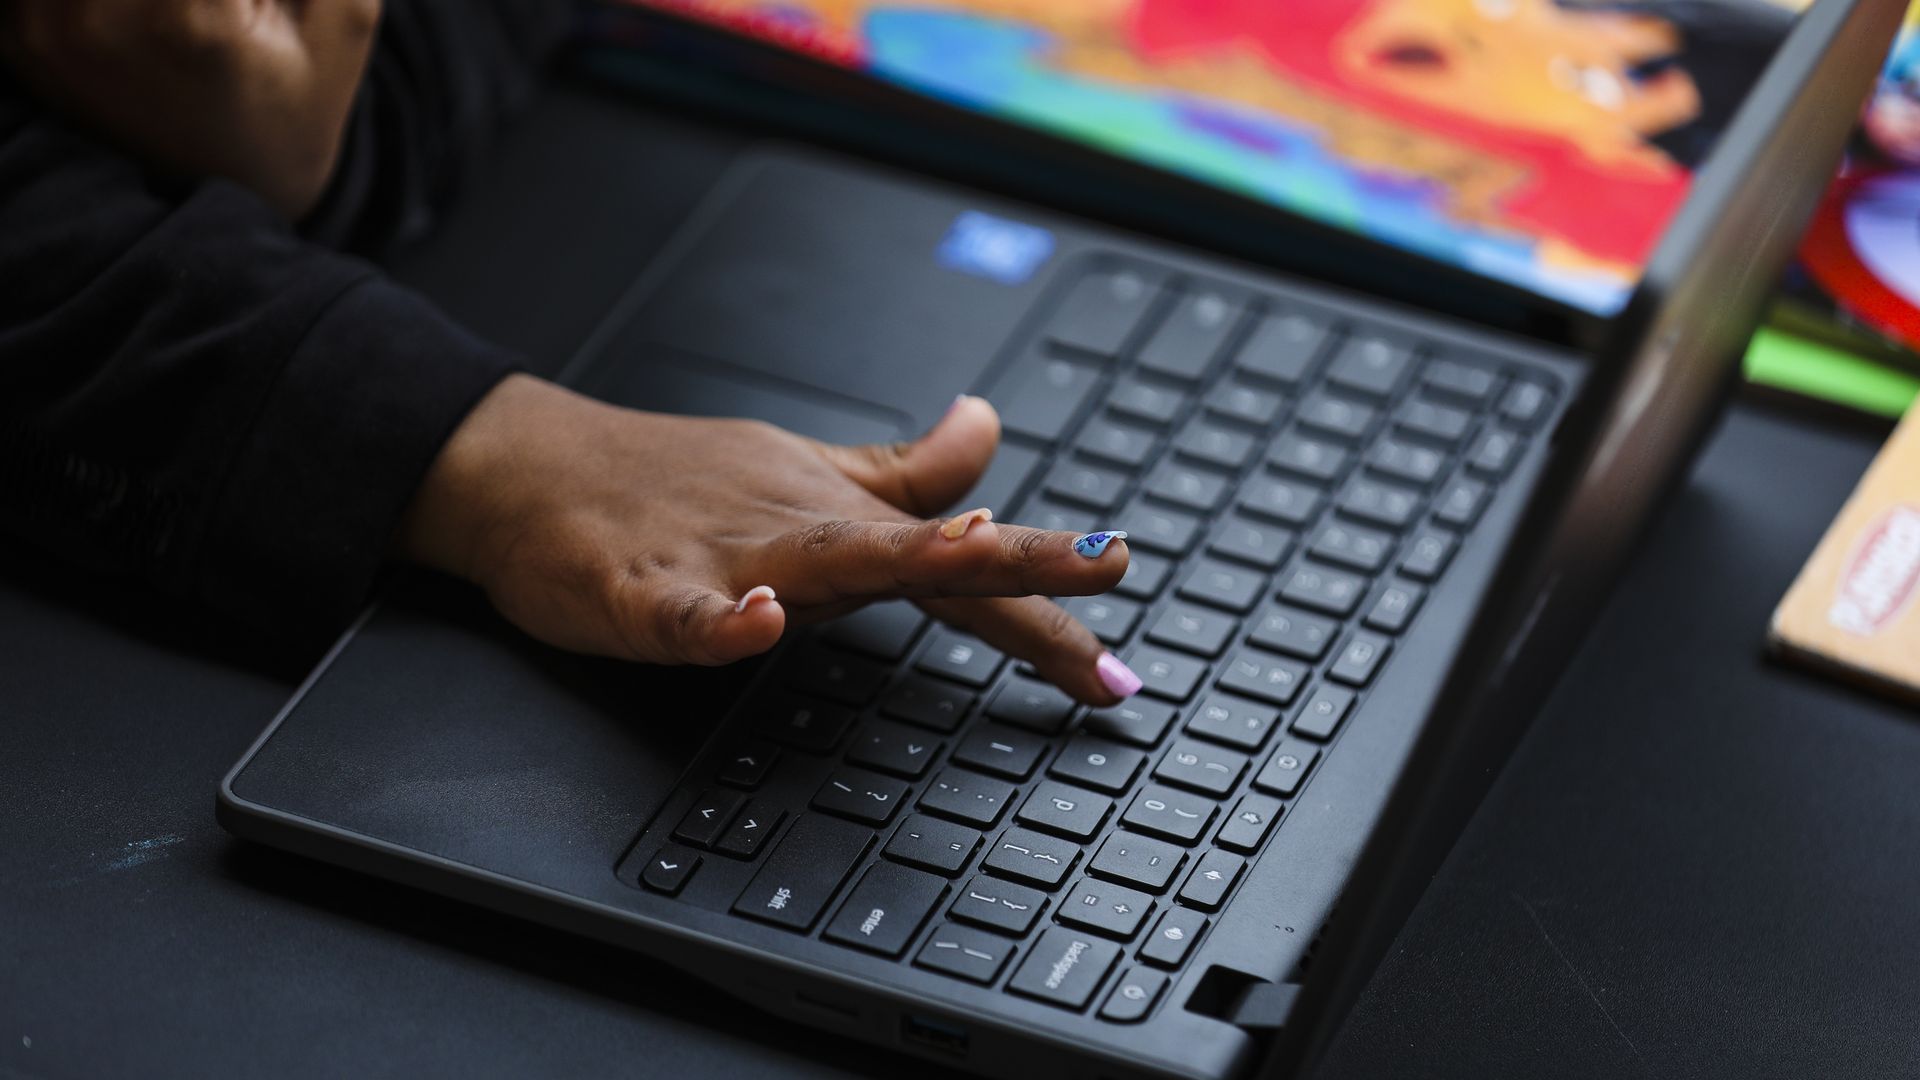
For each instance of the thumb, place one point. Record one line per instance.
(933, 472)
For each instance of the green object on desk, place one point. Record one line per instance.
(1792, 363)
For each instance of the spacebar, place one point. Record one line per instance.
(804, 871)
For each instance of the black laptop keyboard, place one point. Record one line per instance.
(1293, 483)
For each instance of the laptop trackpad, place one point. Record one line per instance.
(670, 381)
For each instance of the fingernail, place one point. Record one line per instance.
(957, 525)
(1116, 676)
(758, 592)
(1093, 545)
(957, 399)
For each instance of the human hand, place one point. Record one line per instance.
(678, 540)
(256, 91)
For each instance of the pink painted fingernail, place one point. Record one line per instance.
(957, 525)
(758, 592)
(1117, 676)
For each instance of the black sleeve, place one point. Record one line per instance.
(192, 394)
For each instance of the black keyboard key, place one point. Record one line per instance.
(1370, 365)
(1393, 609)
(1461, 382)
(1251, 541)
(669, 869)
(1290, 502)
(1064, 968)
(706, 821)
(1223, 585)
(964, 659)
(1213, 443)
(1460, 503)
(1427, 556)
(1087, 485)
(750, 829)
(1193, 629)
(1283, 347)
(1262, 675)
(1148, 402)
(1190, 337)
(1234, 721)
(802, 723)
(1065, 810)
(1252, 818)
(1494, 452)
(1006, 477)
(1286, 769)
(932, 844)
(1157, 528)
(1359, 659)
(1321, 715)
(1097, 763)
(1132, 997)
(1379, 503)
(1110, 618)
(1330, 592)
(1296, 633)
(860, 795)
(1141, 723)
(1106, 908)
(885, 631)
(929, 703)
(1443, 424)
(1203, 768)
(886, 909)
(965, 953)
(1212, 876)
(1247, 404)
(1185, 486)
(1336, 416)
(1166, 675)
(1169, 814)
(1146, 574)
(1116, 442)
(1303, 455)
(1101, 311)
(1138, 860)
(891, 748)
(749, 765)
(999, 905)
(1173, 937)
(1040, 396)
(1000, 750)
(1031, 704)
(807, 867)
(1032, 857)
(1403, 460)
(1525, 404)
(1352, 546)
(1054, 516)
(969, 797)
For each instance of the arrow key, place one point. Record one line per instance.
(750, 830)
(669, 869)
(707, 819)
(748, 766)
(893, 748)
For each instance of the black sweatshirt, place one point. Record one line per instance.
(194, 393)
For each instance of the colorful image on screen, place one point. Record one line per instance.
(1542, 144)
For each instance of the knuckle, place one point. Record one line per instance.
(1057, 625)
(822, 537)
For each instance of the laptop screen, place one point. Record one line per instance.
(1540, 143)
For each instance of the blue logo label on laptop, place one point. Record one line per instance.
(994, 248)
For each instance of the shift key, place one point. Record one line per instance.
(801, 876)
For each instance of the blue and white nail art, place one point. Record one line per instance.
(1093, 544)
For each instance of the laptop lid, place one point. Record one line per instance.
(1512, 160)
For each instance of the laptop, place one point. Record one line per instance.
(1381, 326)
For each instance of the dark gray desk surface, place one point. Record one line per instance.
(1697, 864)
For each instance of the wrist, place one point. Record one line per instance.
(470, 494)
